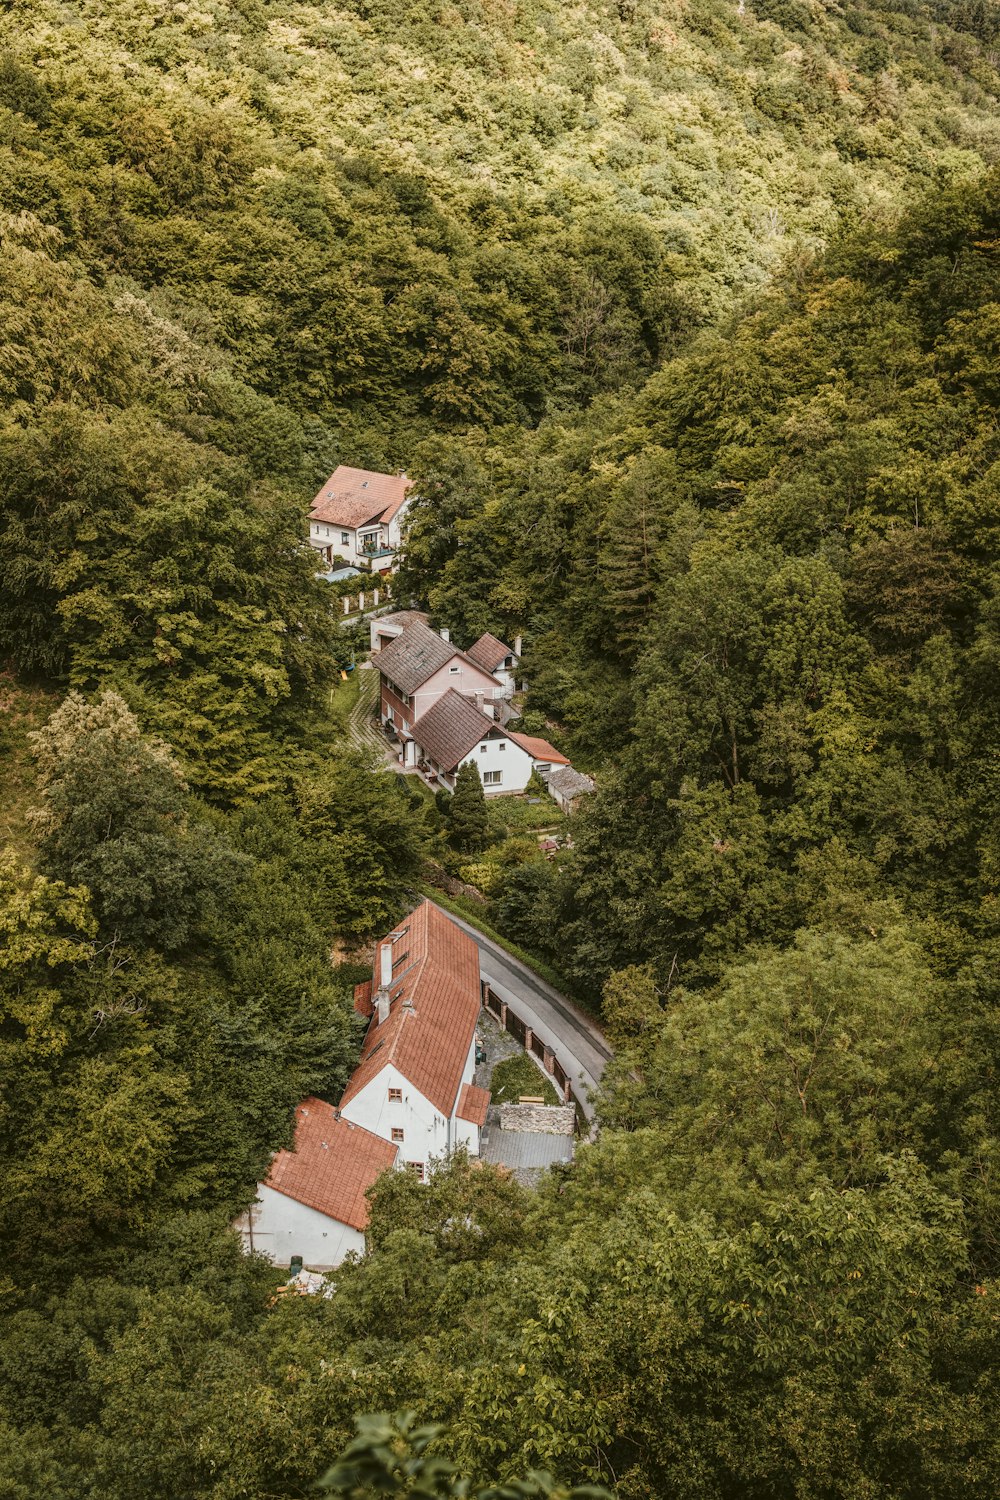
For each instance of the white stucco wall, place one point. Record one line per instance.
(514, 764)
(427, 1133)
(326, 534)
(280, 1227)
(425, 1129)
(466, 678)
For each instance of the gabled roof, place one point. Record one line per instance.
(568, 782)
(489, 653)
(414, 656)
(450, 728)
(351, 497)
(539, 749)
(473, 1102)
(433, 1009)
(332, 1165)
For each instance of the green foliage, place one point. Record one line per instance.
(467, 817)
(389, 1457)
(516, 1076)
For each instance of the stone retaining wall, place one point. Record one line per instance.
(550, 1119)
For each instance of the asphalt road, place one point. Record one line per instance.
(573, 1037)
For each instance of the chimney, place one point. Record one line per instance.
(480, 700)
(445, 634)
(517, 646)
(382, 1006)
(385, 966)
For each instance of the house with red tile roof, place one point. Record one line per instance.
(357, 516)
(411, 1100)
(313, 1202)
(414, 1082)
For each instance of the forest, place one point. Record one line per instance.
(685, 319)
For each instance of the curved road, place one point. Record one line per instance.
(573, 1037)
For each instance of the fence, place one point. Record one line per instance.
(526, 1038)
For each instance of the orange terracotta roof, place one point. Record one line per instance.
(473, 1102)
(332, 1165)
(350, 497)
(363, 998)
(489, 652)
(433, 1010)
(539, 749)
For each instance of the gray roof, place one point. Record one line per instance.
(450, 729)
(569, 783)
(525, 1148)
(414, 656)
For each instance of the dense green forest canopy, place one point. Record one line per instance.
(685, 318)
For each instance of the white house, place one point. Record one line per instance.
(413, 1085)
(411, 1099)
(454, 731)
(313, 1202)
(419, 667)
(357, 516)
(498, 659)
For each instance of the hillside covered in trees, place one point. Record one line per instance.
(685, 319)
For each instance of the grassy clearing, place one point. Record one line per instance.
(341, 698)
(516, 1076)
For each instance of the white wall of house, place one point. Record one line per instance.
(279, 1227)
(465, 677)
(427, 1133)
(501, 758)
(425, 1129)
(329, 538)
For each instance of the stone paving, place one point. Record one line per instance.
(525, 1153)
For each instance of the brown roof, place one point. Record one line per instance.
(539, 749)
(450, 728)
(332, 1165)
(488, 652)
(351, 497)
(473, 1102)
(414, 656)
(433, 1010)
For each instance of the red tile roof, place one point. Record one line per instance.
(433, 1010)
(539, 749)
(489, 652)
(332, 1165)
(351, 497)
(473, 1102)
(363, 998)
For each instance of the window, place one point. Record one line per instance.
(492, 778)
(417, 1168)
(452, 669)
(502, 745)
(397, 1132)
(345, 537)
(483, 749)
(395, 1096)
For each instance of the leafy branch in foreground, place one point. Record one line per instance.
(389, 1457)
